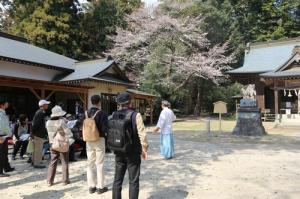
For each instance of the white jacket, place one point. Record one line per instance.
(59, 126)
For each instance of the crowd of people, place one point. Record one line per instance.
(123, 132)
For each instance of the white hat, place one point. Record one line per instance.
(43, 102)
(57, 111)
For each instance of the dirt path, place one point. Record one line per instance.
(210, 167)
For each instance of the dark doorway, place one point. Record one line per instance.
(21, 100)
(109, 103)
(269, 99)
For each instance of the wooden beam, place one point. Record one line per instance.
(35, 93)
(50, 94)
(81, 97)
(36, 84)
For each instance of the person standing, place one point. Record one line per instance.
(39, 133)
(164, 125)
(5, 132)
(136, 147)
(96, 149)
(57, 124)
(21, 136)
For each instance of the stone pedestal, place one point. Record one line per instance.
(249, 120)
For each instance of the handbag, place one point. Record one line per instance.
(30, 147)
(60, 143)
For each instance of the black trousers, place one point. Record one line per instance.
(132, 163)
(4, 164)
(72, 152)
(20, 145)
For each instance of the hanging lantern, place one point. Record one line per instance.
(284, 92)
(290, 94)
(296, 92)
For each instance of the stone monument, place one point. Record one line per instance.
(249, 115)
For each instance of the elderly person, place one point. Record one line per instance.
(57, 124)
(5, 132)
(21, 136)
(39, 133)
(164, 125)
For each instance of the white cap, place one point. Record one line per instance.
(43, 102)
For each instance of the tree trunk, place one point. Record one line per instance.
(199, 98)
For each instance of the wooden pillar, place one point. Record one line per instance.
(299, 101)
(85, 101)
(43, 94)
(260, 94)
(276, 102)
(151, 112)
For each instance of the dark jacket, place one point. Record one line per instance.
(101, 120)
(39, 124)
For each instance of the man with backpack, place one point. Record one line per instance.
(127, 138)
(94, 130)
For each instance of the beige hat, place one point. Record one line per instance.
(57, 111)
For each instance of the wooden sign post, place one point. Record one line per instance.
(220, 107)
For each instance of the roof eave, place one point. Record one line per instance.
(13, 60)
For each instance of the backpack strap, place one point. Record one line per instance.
(96, 114)
(129, 115)
(86, 114)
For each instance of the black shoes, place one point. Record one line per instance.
(39, 166)
(9, 169)
(92, 190)
(3, 175)
(101, 191)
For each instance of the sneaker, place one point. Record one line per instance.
(13, 158)
(92, 190)
(103, 190)
(22, 158)
(3, 175)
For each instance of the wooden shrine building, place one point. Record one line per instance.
(29, 73)
(274, 68)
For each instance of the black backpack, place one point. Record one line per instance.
(120, 133)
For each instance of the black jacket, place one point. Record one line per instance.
(101, 120)
(39, 124)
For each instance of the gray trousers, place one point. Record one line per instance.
(64, 158)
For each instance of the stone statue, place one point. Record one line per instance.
(249, 115)
(249, 92)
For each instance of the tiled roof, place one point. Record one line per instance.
(18, 49)
(268, 56)
(88, 69)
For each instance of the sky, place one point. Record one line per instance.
(150, 2)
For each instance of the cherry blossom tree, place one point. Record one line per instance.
(187, 52)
